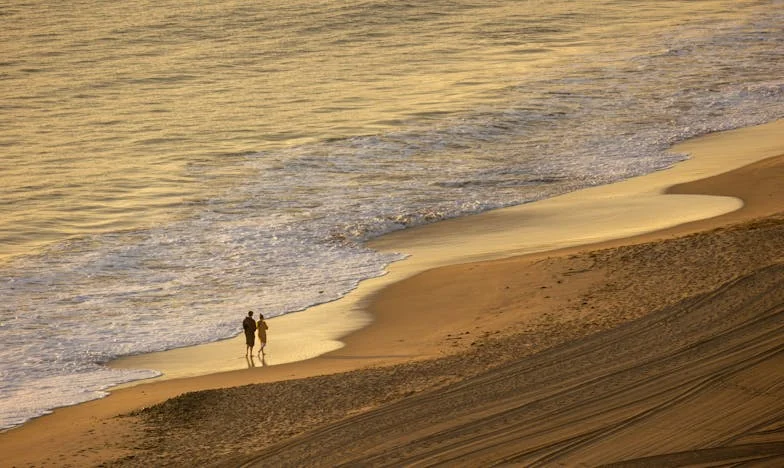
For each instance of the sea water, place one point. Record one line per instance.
(167, 165)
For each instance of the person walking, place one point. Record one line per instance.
(262, 330)
(249, 326)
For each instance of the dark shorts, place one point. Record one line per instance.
(250, 339)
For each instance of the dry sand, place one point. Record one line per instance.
(666, 344)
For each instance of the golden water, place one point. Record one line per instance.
(113, 112)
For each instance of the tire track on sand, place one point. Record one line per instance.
(646, 391)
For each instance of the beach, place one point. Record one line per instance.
(167, 167)
(656, 337)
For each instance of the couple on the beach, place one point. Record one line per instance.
(251, 327)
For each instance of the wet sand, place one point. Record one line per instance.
(663, 344)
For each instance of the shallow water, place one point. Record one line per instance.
(168, 165)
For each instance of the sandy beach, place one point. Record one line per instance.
(638, 323)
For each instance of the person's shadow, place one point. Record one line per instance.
(252, 362)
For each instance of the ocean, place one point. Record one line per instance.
(168, 165)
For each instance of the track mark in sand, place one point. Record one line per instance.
(644, 389)
(772, 452)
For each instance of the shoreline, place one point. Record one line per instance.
(460, 242)
(628, 208)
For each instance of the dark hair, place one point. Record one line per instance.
(250, 312)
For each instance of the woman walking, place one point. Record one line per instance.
(262, 330)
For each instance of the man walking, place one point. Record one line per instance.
(249, 326)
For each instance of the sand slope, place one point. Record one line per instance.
(598, 379)
(698, 381)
